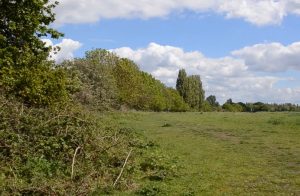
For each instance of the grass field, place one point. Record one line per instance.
(224, 153)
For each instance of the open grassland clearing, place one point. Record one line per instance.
(224, 153)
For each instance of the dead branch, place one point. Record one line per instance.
(122, 168)
(73, 162)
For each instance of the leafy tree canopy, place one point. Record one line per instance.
(190, 89)
(22, 24)
(212, 100)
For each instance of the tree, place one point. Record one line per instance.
(229, 101)
(22, 24)
(192, 97)
(180, 83)
(175, 102)
(212, 100)
(190, 89)
(98, 87)
(25, 71)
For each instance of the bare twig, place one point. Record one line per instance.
(115, 137)
(73, 162)
(122, 168)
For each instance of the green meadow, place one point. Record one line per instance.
(223, 153)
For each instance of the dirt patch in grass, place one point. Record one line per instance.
(226, 136)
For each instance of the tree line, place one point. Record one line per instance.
(230, 106)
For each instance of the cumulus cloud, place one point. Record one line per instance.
(272, 57)
(67, 48)
(259, 12)
(227, 77)
(173, 58)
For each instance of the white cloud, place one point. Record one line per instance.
(259, 12)
(272, 57)
(227, 77)
(67, 48)
(174, 58)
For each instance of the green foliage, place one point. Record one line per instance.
(41, 85)
(139, 90)
(190, 89)
(232, 107)
(207, 107)
(151, 189)
(129, 83)
(175, 103)
(158, 167)
(194, 92)
(212, 100)
(181, 83)
(97, 86)
(108, 81)
(22, 24)
(37, 148)
(24, 71)
(276, 121)
(259, 107)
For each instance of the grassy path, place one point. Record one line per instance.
(227, 153)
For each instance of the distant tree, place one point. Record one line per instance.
(259, 107)
(98, 87)
(175, 102)
(207, 107)
(212, 100)
(194, 92)
(130, 84)
(190, 89)
(230, 106)
(229, 101)
(181, 83)
(243, 106)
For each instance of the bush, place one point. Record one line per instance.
(37, 147)
(97, 89)
(41, 85)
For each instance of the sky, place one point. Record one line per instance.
(247, 50)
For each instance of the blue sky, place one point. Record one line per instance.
(248, 51)
(214, 35)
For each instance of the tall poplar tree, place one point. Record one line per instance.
(190, 88)
(180, 83)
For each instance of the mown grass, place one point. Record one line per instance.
(223, 153)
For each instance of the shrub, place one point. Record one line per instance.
(41, 85)
(37, 147)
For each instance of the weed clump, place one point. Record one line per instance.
(167, 125)
(276, 121)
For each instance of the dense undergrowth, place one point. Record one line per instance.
(38, 152)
